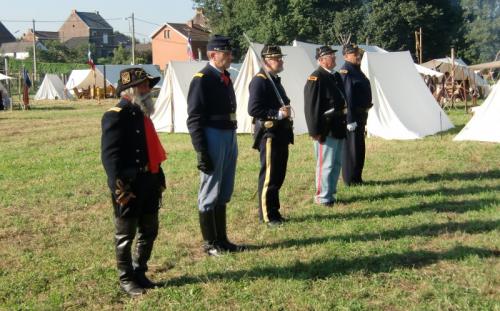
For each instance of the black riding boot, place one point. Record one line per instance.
(124, 236)
(147, 232)
(221, 229)
(207, 225)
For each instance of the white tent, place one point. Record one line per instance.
(51, 88)
(84, 78)
(403, 106)
(484, 125)
(4, 77)
(297, 68)
(311, 51)
(461, 71)
(171, 105)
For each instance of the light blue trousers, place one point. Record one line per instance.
(328, 165)
(216, 188)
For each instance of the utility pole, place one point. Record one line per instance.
(133, 40)
(34, 53)
(418, 45)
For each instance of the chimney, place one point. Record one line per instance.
(97, 12)
(190, 23)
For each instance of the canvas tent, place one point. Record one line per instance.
(171, 105)
(113, 72)
(51, 88)
(403, 106)
(84, 79)
(484, 125)
(4, 77)
(311, 51)
(460, 70)
(297, 68)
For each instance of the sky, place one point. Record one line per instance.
(149, 14)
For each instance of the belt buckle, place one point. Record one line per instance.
(268, 124)
(232, 116)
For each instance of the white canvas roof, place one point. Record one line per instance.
(51, 88)
(4, 77)
(461, 71)
(171, 105)
(297, 67)
(403, 106)
(311, 51)
(84, 78)
(484, 125)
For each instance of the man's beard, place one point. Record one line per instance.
(145, 102)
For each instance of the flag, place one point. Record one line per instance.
(190, 49)
(90, 61)
(26, 89)
(26, 78)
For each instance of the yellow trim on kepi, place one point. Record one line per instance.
(115, 109)
(266, 180)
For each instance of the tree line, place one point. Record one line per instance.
(472, 27)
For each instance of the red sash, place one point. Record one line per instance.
(156, 153)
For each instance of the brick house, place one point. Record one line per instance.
(41, 36)
(170, 41)
(90, 28)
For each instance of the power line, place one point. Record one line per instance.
(147, 22)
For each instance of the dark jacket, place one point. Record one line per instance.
(264, 105)
(124, 152)
(358, 93)
(209, 102)
(323, 91)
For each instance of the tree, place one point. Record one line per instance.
(482, 30)
(391, 24)
(121, 56)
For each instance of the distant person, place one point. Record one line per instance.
(359, 101)
(132, 154)
(1, 101)
(212, 125)
(325, 109)
(273, 132)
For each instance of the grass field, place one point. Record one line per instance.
(422, 234)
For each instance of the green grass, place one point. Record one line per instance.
(422, 234)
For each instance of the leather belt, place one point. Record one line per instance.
(222, 117)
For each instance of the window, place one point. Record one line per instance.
(105, 38)
(166, 34)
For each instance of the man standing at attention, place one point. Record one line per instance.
(131, 153)
(359, 102)
(325, 111)
(212, 126)
(273, 132)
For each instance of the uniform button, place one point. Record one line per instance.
(137, 161)
(133, 113)
(137, 131)
(137, 150)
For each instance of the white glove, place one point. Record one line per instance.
(351, 127)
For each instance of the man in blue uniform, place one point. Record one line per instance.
(212, 126)
(273, 132)
(325, 110)
(131, 154)
(359, 102)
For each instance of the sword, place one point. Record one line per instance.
(263, 66)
